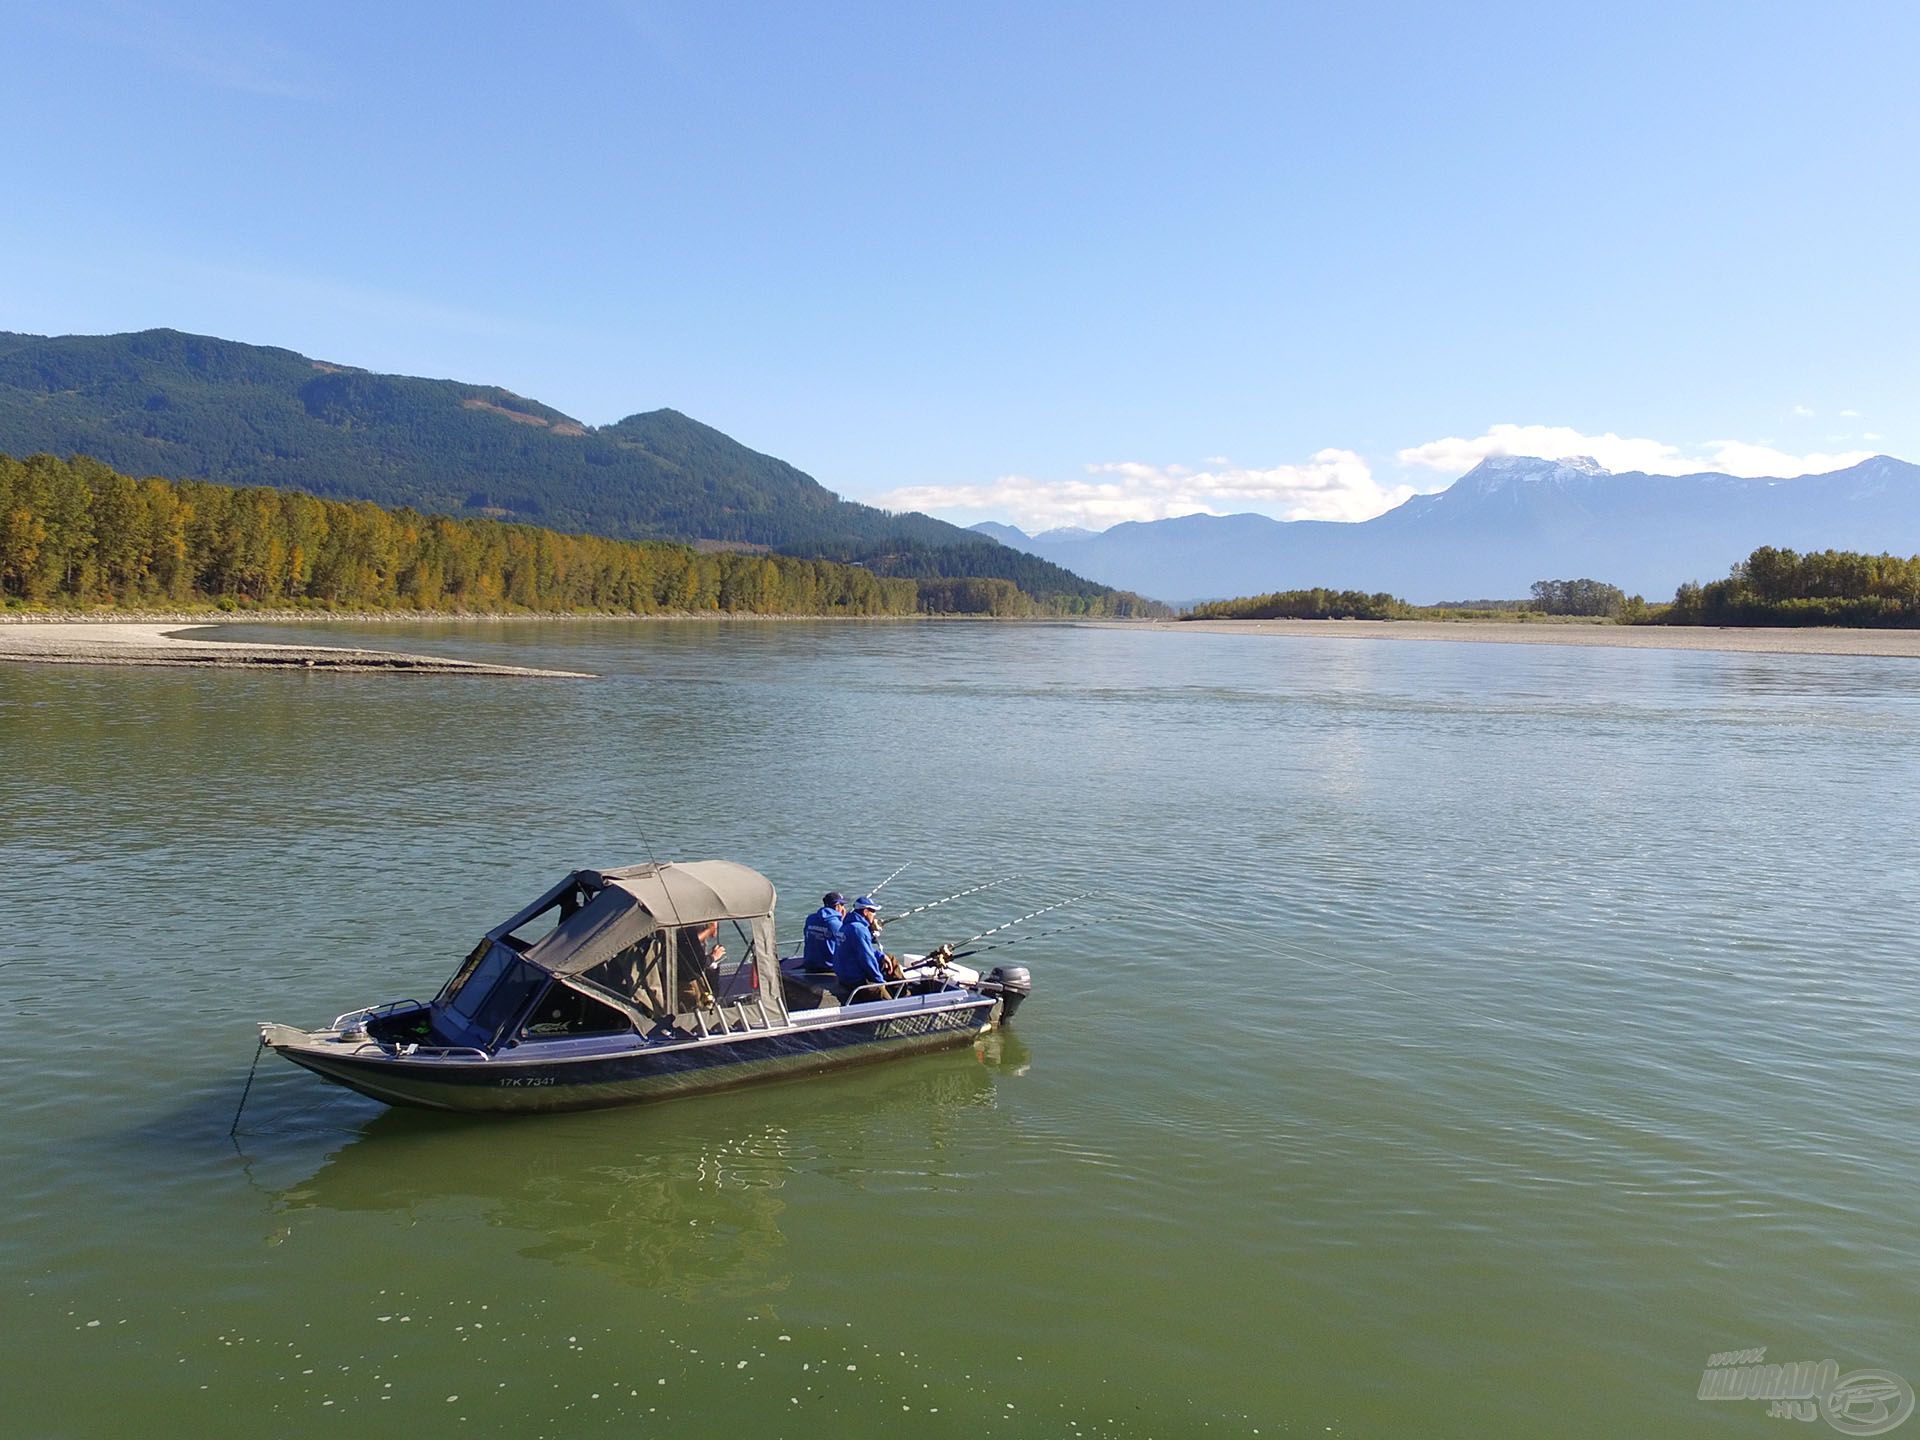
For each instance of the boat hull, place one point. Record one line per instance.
(525, 1081)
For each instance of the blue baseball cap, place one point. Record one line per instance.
(833, 897)
(865, 902)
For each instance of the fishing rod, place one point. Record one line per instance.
(791, 944)
(888, 881)
(958, 894)
(1038, 935)
(1030, 915)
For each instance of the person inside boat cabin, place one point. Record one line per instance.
(699, 961)
(822, 934)
(858, 959)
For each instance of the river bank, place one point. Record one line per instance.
(1759, 641)
(419, 617)
(112, 642)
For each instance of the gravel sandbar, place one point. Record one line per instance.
(120, 643)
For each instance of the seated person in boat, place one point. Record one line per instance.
(823, 931)
(699, 962)
(858, 959)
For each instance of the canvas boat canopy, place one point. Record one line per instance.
(627, 905)
(646, 938)
(692, 893)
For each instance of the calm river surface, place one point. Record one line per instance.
(1475, 1038)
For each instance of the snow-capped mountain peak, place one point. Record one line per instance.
(1531, 467)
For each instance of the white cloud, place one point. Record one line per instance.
(1332, 485)
(1617, 452)
(1736, 457)
(1849, 414)
(1548, 442)
(1801, 412)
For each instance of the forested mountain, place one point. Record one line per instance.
(192, 407)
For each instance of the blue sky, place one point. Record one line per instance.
(1054, 264)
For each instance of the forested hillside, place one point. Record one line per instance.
(76, 532)
(191, 407)
(1059, 592)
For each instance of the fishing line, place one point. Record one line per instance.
(672, 942)
(1038, 935)
(958, 894)
(1030, 915)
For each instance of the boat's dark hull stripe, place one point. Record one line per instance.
(584, 1082)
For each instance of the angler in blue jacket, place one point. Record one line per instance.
(858, 959)
(822, 934)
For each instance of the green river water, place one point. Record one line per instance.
(1475, 1039)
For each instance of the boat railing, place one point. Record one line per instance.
(375, 1012)
(885, 986)
(740, 1015)
(442, 1052)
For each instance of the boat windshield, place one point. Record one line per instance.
(496, 990)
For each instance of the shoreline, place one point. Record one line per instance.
(152, 637)
(104, 642)
(396, 617)
(1747, 640)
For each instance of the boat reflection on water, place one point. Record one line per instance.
(1004, 1051)
(689, 1202)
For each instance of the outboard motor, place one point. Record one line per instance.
(1012, 983)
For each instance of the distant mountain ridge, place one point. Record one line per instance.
(1508, 522)
(1012, 535)
(162, 402)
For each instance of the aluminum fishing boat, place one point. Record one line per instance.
(634, 984)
